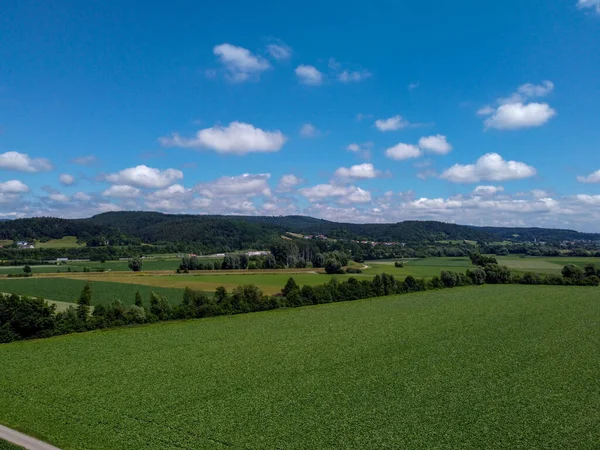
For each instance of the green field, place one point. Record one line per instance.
(482, 367)
(117, 266)
(68, 290)
(65, 242)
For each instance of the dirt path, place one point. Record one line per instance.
(23, 440)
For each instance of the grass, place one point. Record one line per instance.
(4, 445)
(483, 367)
(65, 242)
(68, 290)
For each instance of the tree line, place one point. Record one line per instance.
(28, 318)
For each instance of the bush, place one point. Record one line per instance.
(353, 270)
(398, 264)
(135, 264)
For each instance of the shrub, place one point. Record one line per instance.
(399, 264)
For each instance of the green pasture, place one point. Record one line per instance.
(68, 290)
(65, 242)
(512, 367)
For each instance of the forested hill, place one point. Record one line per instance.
(227, 233)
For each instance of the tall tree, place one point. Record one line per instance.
(84, 302)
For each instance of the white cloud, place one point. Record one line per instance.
(13, 187)
(309, 75)
(595, 4)
(353, 77)
(59, 197)
(67, 179)
(122, 191)
(12, 190)
(485, 111)
(308, 130)
(514, 112)
(342, 194)
(436, 144)
(237, 138)
(488, 190)
(588, 199)
(82, 197)
(240, 63)
(85, 160)
(391, 124)
(246, 185)
(402, 151)
(288, 182)
(353, 148)
(490, 167)
(413, 86)
(145, 177)
(592, 178)
(512, 116)
(172, 191)
(22, 162)
(539, 193)
(359, 172)
(279, 51)
(530, 90)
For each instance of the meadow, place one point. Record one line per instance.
(479, 367)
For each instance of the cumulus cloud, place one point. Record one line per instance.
(288, 182)
(239, 62)
(512, 116)
(341, 194)
(391, 124)
(308, 130)
(309, 75)
(592, 178)
(353, 76)
(122, 191)
(402, 151)
(515, 112)
(246, 185)
(145, 177)
(488, 190)
(490, 167)
(592, 4)
(22, 162)
(13, 187)
(279, 51)
(238, 138)
(435, 144)
(67, 179)
(358, 172)
(588, 199)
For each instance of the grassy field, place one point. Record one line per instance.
(65, 242)
(68, 290)
(482, 367)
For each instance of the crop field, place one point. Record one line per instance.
(479, 367)
(113, 266)
(68, 290)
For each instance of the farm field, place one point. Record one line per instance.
(479, 367)
(117, 266)
(68, 290)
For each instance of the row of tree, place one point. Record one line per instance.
(26, 318)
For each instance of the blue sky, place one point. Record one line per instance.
(473, 112)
